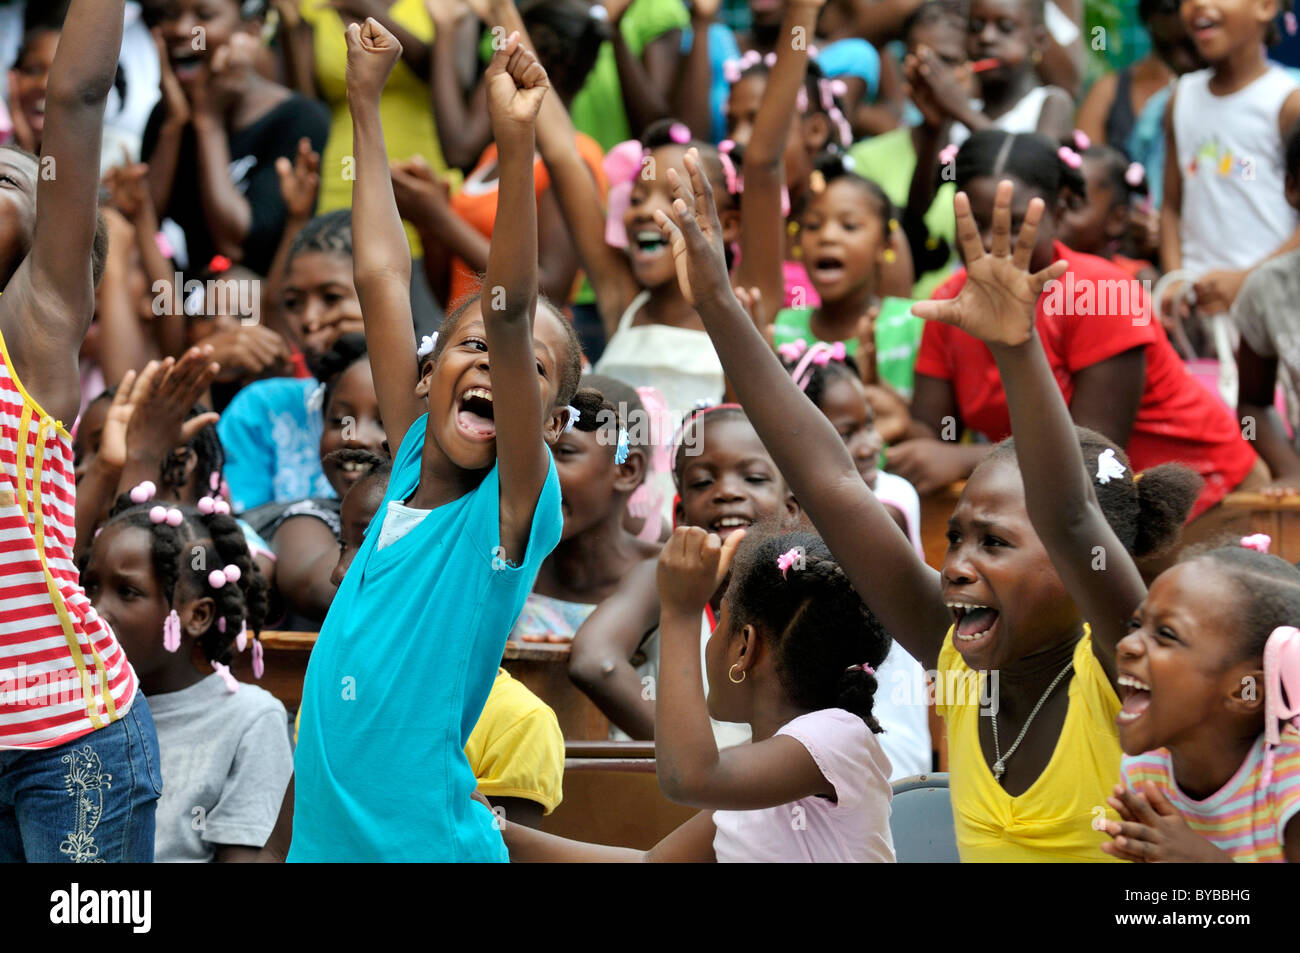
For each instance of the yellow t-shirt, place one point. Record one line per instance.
(1054, 820)
(405, 108)
(516, 749)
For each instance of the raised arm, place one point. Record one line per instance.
(762, 231)
(381, 257)
(516, 85)
(462, 131)
(689, 103)
(48, 303)
(900, 589)
(579, 198)
(999, 308)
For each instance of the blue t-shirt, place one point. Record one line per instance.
(400, 674)
(271, 436)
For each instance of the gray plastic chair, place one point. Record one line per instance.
(921, 821)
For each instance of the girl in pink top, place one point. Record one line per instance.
(794, 655)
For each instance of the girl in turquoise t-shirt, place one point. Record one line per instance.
(409, 650)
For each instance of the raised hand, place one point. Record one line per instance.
(225, 77)
(415, 187)
(160, 400)
(695, 235)
(356, 11)
(372, 54)
(128, 189)
(998, 300)
(692, 565)
(112, 439)
(299, 180)
(23, 134)
(516, 85)
(173, 93)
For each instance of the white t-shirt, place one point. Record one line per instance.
(853, 828)
(398, 521)
(226, 763)
(1233, 167)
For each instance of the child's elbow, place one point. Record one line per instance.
(589, 670)
(74, 93)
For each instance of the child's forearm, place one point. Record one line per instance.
(512, 257)
(689, 103)
(384, 253)
(95, 494)
(686, 752)
(461, 132)
(645, 102)
(528, 846)
(227, 212)
(163, 161)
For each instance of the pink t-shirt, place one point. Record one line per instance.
(854, 828)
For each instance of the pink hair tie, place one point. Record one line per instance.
(143, 492)
(801, 100)
(207, 505)
(769, 60)
(222, 508)
(162, 514)
(679, 134)
(1081, 140)
(259, 666)
(1134, 174)
(1259, 542)
(788, 559)
(839, 87)
(241, 637)
(729, 173)
(1069, 157)
(864, 667)
(792, 350)
(1281, 675)
(164, 246)
(1289, 22)
(948, 154)
(232, 685)
(214, 481)
(819, 355)
(172, 631)
(732, 70)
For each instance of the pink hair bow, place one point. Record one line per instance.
(1134, 174)
(729, 166)
(948, 154)
(1259, 542)
(1281, 674)
(788, 559)
(1069, 157)
(679, 133)
(622, 163)
(819, 355)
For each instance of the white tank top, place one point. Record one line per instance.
(1023, 116)
(1230, 154)
(679, 362)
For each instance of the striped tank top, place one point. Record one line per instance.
(62, 672)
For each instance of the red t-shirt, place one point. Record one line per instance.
(1178, 420)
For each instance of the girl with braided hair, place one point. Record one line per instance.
(180, 589)
(794, 655)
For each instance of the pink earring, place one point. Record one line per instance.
(172, 632)
(259, 667)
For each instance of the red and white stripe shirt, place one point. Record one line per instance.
(62, 672)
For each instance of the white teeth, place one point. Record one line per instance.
(969, 638)
(478, 392)
(1129, 715)
(729, 521)
(649, 236)
(965, 605)
(1132, 682)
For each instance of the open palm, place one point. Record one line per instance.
(997, 302)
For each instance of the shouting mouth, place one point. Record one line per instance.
(1136, 697)
(972, 624)
(474, 416)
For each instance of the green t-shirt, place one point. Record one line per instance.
(898, 338)
(889, 160)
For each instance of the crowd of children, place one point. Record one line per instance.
(647, 330)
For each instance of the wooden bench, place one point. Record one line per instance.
(612, 796)
(1279, 518)
(543, 668)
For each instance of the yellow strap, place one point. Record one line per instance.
(45, 426)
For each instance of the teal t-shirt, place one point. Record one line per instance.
(399, 676)
(898, 338)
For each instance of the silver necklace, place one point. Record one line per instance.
(999, 766)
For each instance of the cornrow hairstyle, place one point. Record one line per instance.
(820, 631)
(329, 234)
(1147, 514)
(823, 375)
(1116, 166)
(1029, 157)
(1269, 589)
(345, 352)
(659, 134)
(696, 418)
(570, 367)
(612, 401)
(829, 167)
(220, 540)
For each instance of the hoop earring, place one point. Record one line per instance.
(731, 674)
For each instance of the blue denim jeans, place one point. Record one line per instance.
(91, 800)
